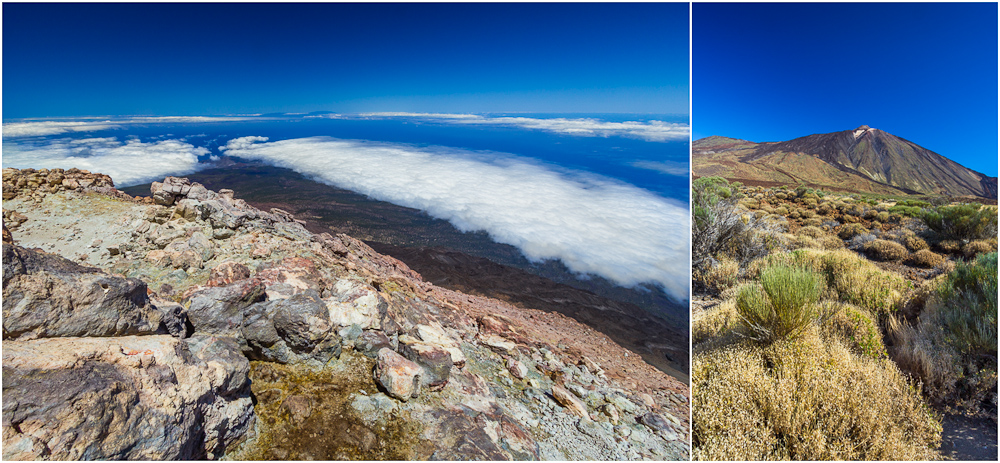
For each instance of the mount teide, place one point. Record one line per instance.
(863, 160)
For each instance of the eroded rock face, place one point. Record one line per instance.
(132, 397)
(49, 296)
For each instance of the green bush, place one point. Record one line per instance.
(962, 221)
(969, 294)
(782, 305)
(909, 211)
(856, 327)
(913, 203)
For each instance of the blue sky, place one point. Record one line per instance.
(183, 59)
(924, 72)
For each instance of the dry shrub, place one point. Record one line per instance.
(806, 399)
(813, 222)
(856, 210)
(803, 242)
(831, 242)
(781, 210)
(886, 250)
(913, 243)
(925, 258)
(949, 246)
(974, 248)
(714, 322)
(851, 230)
(882, 216)
(811, 231)
(794, 214)
(825, 209)
(780, 195)
(721, 276)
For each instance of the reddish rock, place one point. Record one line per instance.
(570, 401)
(398, 376)
(228, 273)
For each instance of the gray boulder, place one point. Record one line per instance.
(48, 296)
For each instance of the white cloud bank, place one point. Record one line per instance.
(593, 224)
(664, 167)
(56, 127)
(128, 163)
(657, 131)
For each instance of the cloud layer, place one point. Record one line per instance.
(593, 224)
(56, 127)
(128, 163)
(657, 131)
(664, 167)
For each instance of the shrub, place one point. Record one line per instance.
(813, 222)
(801, 241)
(973, 248)
(825, 209)
(719, 227)
(851, 230)
(952, 346)
(969, 297)
(781, 210)
(855, 327)
(811, 231)
(849, 278)
(913, 203)
(908, 211)
(780, 195)
(854, 209)
(794, 214)
(714, 322)
(831, 242)
(949, 246)
(925, 258)
(913, 243)
(782, 305)
(962, 221)
(886, 250)
(721, 276)
(807, 399)
(882, 216)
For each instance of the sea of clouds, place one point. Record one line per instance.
(658, 131)
(593, 224)
(56, 127)
(129, 162)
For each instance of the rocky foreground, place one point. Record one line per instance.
(191, 325)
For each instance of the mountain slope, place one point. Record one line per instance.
(864, 159)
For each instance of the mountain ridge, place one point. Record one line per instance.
(868, 159)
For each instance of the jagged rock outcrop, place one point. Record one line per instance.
(347, 353)
(87, 374)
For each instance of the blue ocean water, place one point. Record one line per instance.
(581, 188)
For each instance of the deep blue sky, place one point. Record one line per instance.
(183, 59)
(924, 72)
